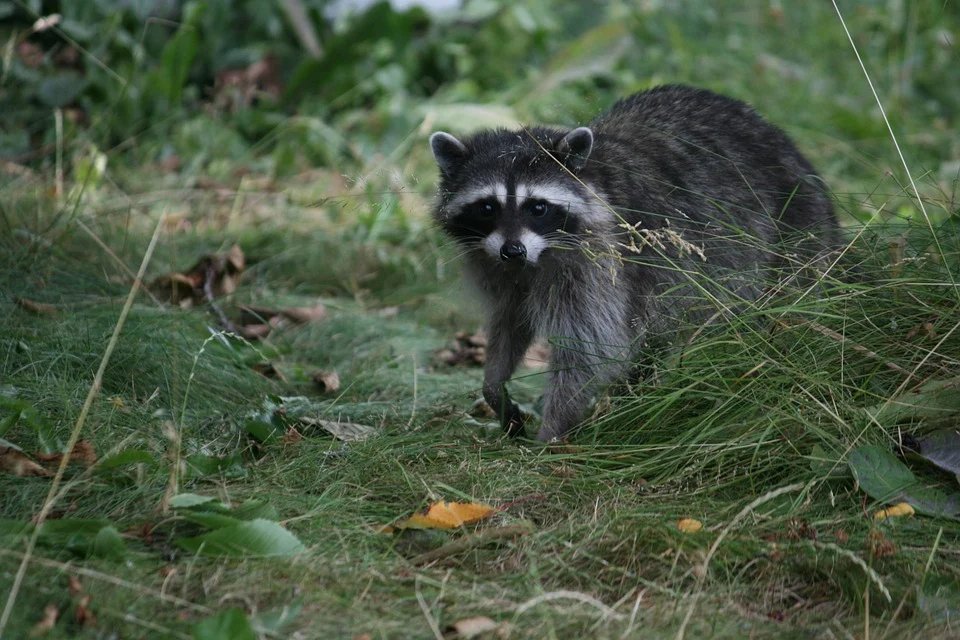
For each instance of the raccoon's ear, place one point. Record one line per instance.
(449, 152)
(575, 147)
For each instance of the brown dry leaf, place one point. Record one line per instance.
(447, 515)
(927, 328)
(292, 436)
(303, 315)
(82, 615)
(39, 308)
(268, 370)
(879, 546)
(466, 349)
(46, 624)
(689, 525)
(470, 627)
(15, 462)
(83, 453)
(255, 331)
(327, 381)
(896, 511)
(74, 586)
(213, 276)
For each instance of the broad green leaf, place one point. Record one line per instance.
(210, 520)
(885, 478)
(231, 624)
(109, 544)
(228, 466)
(257, 538)
(253, 509)
(933, 400)
(61, 89)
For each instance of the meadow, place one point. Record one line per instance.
(204, 217)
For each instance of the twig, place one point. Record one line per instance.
(475, 540)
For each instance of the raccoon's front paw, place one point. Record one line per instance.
(513, 421)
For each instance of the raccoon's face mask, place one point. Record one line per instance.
(512, 194)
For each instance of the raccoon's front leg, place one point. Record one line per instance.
(508, 336)
(577, 369)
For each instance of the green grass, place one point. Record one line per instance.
(745, 424)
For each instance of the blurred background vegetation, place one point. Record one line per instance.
(221, 87)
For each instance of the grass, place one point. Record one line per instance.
(745, 425)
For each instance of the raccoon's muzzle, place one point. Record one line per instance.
(513, 251)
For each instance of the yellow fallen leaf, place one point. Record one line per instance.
(689, 525)
(446, 515)
(896, 511)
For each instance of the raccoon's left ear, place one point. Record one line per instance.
(447, 151)
(575, 147)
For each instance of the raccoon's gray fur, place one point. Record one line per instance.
(669, 206)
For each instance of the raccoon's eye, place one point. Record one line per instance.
(539, 209)
(483, 209)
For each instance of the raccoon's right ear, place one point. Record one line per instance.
(449, 152)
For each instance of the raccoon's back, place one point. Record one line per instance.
(712, 158)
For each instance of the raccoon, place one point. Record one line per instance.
(605, 238)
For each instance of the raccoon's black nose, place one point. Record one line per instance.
(513, 250)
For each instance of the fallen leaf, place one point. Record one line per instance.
(346, 431)
(82, 614)
(327, 381)
(83, 453)
(74, 586)
(268, 370)
(689, 525)
(255, 331)
(49, 620)
(465, 350)
(471, 627)
(879, 546)
(39, 308)
(303, 315)
(934, 399)
(17, 463)
(927, 328)
(884, 477)
(214, 275)
(292, 436)
(896, 511)
(447, 515)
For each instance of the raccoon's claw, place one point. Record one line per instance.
(513, 422)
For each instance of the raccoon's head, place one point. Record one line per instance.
(516, 194)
